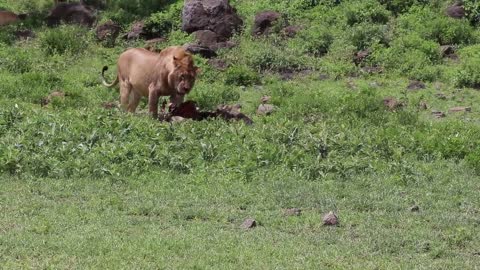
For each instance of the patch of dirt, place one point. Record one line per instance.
(189, 110)
(459, 109)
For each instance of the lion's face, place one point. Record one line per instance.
(185, 74)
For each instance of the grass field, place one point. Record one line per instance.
(87, 187)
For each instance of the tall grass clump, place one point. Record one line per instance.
(65, 39)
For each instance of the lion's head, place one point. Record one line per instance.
(185, 73)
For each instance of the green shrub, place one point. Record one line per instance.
(241, 75)
(467, 74)
(366, 11)
(400, 6)
(162, 23)
(435, 26)
(315, 40)
(15, 60)
(472, 10)
(364, 35)
(409, 55)
(65, 39)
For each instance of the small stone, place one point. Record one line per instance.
(249, 223)
(460, 109)
(438, 114)
(423, 105)
(441, 96)
(265, 99)
(265, 109)
(415, 208)
(416, 85)
(292, 212)
(392, 103)
(330, 219)
(177, 119)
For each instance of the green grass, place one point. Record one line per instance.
(84, 187)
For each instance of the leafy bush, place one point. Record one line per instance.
(434, 26)
(15, 60)
(315, 40)
(64, 39)
(366, 11)
(400, 6)
(241, 75)
(472, 10)
(467, 74)
(410, 55)
(166, 21)
(364, 35)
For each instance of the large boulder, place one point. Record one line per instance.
(457, 10)
(74, 13)
(264, 21)
(214, 15)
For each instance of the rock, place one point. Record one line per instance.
(459, 109)
(290, 31)
(265, 99)
(207, 38)
(249, 223)
(360, 56)
(55, 94)
(109, 105)
(456, 11)
(177, 119)
(423, 105)
(265, 109)
(416, 85)
(108, 31)
(330, 219)
(201, 50)
(24, 34)
(73, 13)
(392, 103)
(323, 77)
(415, 208)
(264, 21)
(218, 64)
(441, 96)
(438, 114)
(214, 15)
(292, 212)
(136, 31)
(447, 50)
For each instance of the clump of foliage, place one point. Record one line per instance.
(65, 39)
(435, 26)
(163, 22)
(467, 74)
(314, 40)
(410, 55)
(241, 75)
(366, 11)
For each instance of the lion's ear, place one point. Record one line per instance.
(175, 62)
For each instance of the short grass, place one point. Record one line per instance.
(85, 187)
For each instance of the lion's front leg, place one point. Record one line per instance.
(153, 96)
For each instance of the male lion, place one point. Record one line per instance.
(144, 73)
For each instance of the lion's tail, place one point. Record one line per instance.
(104, 81)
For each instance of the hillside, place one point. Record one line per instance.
(376, 118)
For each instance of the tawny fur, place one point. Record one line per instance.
(142, 73)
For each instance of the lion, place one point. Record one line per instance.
(142, 73)
(8, 17)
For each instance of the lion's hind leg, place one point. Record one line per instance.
(125, 90)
